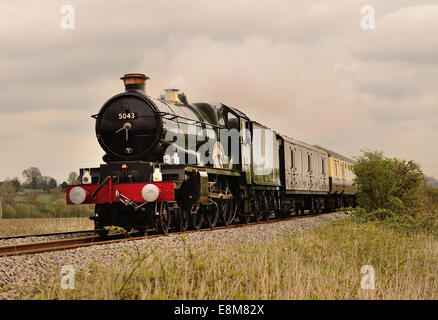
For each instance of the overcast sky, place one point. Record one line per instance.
(304, 68)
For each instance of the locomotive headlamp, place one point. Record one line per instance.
(175, 158)
(77, 195)
(157, 176)
(150, 192)
(86, 177)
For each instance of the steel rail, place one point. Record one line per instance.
(44, 246)
(46, 234)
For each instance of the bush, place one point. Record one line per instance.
(386, 183)
(363, 215)
(7, 192)
(394, 191)
(9, 212)
(26, 210)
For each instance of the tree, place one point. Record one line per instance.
(44, 182)
(72, 178)
(16, 183)
(387, 183)
(52, 184)
(47, 183)
(33, 177)
(64, 186)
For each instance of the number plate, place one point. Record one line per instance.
(127, 115)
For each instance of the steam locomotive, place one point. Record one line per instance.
(174, 165)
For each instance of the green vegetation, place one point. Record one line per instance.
(10, 227)
(324, 263)
(37, 204)
(395, 192)
(38, 197)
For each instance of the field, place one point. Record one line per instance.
(324, 263)
(34, 203)
(9, 227)
(26, 194)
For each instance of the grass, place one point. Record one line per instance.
(23, 196)
(323, 263)
(9, 227)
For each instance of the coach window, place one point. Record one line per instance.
(263, 141)
(309, 163)
(323, 166)
(292, 162)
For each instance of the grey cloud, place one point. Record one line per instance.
(298, 67)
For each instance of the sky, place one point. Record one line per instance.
(307, 69)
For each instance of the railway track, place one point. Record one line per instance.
(45, 234)
(66, 244)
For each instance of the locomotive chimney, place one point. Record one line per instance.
(135, 82)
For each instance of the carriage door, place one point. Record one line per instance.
(292, 169)
(309, 170)
(245, 139)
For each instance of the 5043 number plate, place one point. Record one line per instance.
(127, 115)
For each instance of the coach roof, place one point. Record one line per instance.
(303, 144)
(336, 155)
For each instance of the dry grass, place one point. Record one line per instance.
(9, 227)
(321, 264)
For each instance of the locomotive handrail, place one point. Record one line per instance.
(174, 116)
(93, 196)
